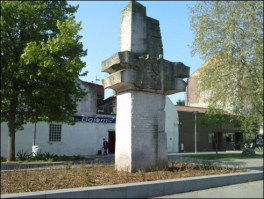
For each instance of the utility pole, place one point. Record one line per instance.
(195, 137)
(96, 92)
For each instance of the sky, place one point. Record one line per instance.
(101, 22)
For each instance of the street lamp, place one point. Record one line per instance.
(195, 137)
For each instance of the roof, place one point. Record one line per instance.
(109, 100)
(196, 72)
(191, 109)
(97, 87)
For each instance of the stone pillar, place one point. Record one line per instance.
(140, 124)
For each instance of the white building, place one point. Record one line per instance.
(172, 126)
(83, 138)
(86, 136)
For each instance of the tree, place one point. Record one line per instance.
(40, 64)
(229, 34)
(213, 117)
(180, 102)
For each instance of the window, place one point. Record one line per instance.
(55, 133)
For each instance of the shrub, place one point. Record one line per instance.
(3, 159)
(50, 157)
(23, 156)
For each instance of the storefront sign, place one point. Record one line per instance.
(93, 119)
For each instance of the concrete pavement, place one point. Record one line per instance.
(249, 163)
(243, 190)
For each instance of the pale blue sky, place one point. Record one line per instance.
(101, 22)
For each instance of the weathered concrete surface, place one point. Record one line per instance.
(139, 33)
(154, 42)
(131, 71)
(141, 78)
(133, 32)
(140, 140)
(243, 190)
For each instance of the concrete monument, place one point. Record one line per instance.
(141, 78)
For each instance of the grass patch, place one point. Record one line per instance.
(95, 174)
(259, 149)
(224, 156)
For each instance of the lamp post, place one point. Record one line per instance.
(195, 137)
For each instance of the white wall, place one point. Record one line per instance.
(87, 106)
(81, 139)
(171, 126)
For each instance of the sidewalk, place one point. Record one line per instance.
(250, 163)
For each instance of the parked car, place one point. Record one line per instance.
(251, 145)
(259, 143)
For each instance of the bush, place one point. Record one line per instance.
(24, 156)
(3, 159)
(43, 156)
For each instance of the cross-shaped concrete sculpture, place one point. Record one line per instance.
(141, 78)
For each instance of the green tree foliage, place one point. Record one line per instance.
(229, 34)
(40, 64)
(214, 117)
(180, 102)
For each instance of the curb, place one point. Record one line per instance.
(15, 166)
(146, 189)
(6, 167)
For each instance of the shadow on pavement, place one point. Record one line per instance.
(256, 168)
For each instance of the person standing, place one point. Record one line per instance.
(105, 146)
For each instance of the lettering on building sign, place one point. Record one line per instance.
(93, 119)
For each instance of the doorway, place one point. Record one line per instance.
(230, 141)
(238, 138)
(111, 142)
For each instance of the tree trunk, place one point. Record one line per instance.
(12, 131)
(216, 142)
(216, 145)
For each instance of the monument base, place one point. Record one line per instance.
(141, 142)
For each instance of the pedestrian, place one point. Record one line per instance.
(105, 146)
